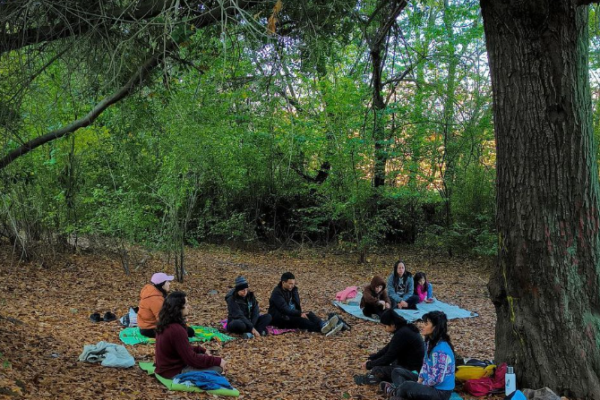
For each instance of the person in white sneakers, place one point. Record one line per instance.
(287, 313)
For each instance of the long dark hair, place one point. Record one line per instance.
(161, 288)
(171, 311)
(390, 317)
(418, 277)
(440, 330)
(403, 276)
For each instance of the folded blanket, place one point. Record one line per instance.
(169, 384)
(452, 312)
(271, 330)
(132, 336)
(108, 354)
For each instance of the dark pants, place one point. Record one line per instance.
(239, 326)
(151, 333)
(400, 375)
(417, 391)
(412, 302)
(369, 310)
(383, 373)
(311, 324)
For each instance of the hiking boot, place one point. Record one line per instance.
(367, 379)
(329, 325)
(248, 335)
(386, 388)
(335, 330)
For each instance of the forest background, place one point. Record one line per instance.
(255, 136)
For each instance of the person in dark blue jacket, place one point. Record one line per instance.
(243, 313)
(284, 306)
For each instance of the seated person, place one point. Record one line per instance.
(401, 286)
(375, 299)
(404, 351)
(174, 354)
(243, 312)
(423, 288)
(152, 297)
(284, 307)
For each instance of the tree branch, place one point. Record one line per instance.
(138, 79)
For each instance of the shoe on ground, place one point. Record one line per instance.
(386, 388)
(346, 327)
(335, 330)
(109, 317)
(263, 333)
(248, 335)
(375, 317)
(329, 325)
(95, 317)
(367, 379)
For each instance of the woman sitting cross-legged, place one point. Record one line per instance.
(174, 354)
(405, 350)
(243, 311)
(436, 379)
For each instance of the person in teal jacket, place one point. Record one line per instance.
(401, 287)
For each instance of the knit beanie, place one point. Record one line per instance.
(240, 283)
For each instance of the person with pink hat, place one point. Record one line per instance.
(152, 298)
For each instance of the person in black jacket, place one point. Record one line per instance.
(284, 306)
(243, 312)
(405, 351)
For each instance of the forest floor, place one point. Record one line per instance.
(45, 309)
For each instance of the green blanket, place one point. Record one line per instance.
(149, 368)
(133, 336)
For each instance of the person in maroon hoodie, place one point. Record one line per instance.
(174, 354)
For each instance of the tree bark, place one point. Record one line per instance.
(545, 288)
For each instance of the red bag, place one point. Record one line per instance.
(485, 386)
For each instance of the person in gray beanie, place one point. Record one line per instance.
(243, 311)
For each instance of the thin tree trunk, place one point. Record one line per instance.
(545, 288)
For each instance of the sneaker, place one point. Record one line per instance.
(263, 333)
(248, 335)
(386, 388)
(346, 327)
(330, 324)
(335, 330)
(367, 379)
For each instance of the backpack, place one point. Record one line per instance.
(487, 385)
(130, 319)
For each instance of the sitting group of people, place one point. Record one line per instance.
(406, 368)
(400, 292)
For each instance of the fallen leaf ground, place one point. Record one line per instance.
(45, 309)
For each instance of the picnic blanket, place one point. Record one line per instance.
(271, 330)
(455, 396)
(132, 336)
(452, 312)
(149, 368)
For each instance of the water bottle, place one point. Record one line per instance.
(511, 381)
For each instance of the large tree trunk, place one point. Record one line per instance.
(545, 288)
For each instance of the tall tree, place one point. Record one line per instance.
(546, 286)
